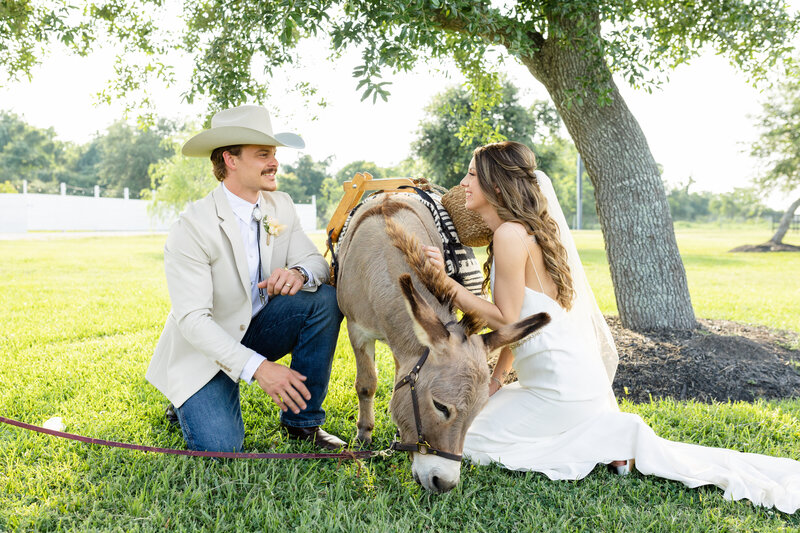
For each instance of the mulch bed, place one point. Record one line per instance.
(718, 361)
(767, 247)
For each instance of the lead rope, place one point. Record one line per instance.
(194, 453)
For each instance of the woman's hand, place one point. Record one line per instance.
(494, 386)
(434, 256)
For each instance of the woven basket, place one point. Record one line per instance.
(471, 228)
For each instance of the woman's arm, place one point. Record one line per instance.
(509, 285)
(501, 370)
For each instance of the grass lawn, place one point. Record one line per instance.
(80, 319)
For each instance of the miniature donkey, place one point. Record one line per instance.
(389, 292)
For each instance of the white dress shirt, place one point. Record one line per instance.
(249, 230)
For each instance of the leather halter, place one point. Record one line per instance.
(421, 446)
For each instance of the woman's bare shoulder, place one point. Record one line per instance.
(510, 230)
(510, 243)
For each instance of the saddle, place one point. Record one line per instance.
(460, 261)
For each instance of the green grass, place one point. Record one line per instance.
(750, 288)
(80, 319)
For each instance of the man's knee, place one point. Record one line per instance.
(214, 439)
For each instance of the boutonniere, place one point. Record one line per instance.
(272, 227)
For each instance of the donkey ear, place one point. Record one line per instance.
(429, 329)
(514, 332)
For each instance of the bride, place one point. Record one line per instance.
(561, 417)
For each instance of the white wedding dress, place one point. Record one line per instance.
(561, 418)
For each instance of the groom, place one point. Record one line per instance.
(247, 287)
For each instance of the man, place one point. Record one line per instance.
(247, 287)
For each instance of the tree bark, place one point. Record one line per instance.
(785, 222)
(646, 267)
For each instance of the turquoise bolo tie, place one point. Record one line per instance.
(257, 216)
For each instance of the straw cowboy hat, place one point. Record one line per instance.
(246, 124)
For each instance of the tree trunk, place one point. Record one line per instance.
(785, 222)
(646, 268)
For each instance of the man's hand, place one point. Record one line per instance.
(284, 386)
(283, 281)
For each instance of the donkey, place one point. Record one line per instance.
(389, 292)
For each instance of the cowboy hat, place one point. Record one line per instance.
(246, 124)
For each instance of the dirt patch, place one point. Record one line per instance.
(719, 361)
(766, 247)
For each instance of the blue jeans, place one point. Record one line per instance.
(307, 325)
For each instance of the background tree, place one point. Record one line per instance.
(410, 167)
(126, 154)
(118, 158)
(178, 180)
(30, 153)
(349, 170)
(289, 183)
(86, 165)
(558, 158)
(571, 47)
(445, 156)
(331, 190)
(779, 148)
(686, 205)
(441, 143)
(310, 174)
(739, 204)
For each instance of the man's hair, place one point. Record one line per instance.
(220, 170)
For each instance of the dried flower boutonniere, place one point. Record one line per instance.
(272, 227)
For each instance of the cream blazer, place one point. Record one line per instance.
(209, 288)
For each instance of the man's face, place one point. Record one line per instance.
(255, 168)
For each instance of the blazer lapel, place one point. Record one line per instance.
(230, 227)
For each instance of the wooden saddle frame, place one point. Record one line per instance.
(354, 191)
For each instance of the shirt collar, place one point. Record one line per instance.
(241, 207)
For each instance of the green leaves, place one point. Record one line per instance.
(779, 144)
(454, 126)
(238, 45)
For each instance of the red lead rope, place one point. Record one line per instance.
(229, 455)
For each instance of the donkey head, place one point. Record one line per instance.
(452, 387)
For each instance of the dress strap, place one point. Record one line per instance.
(541, 287)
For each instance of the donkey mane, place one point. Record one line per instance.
(434, 279)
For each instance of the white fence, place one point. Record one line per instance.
(20, 213)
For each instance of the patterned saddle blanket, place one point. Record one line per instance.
(460, 261)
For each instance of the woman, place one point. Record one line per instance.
(561, 417)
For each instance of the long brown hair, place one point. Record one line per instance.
(506, 177)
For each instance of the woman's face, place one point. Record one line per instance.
(475, 199)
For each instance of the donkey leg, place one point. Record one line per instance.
(366, 379)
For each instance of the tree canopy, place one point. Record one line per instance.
(127, 153)
(238, 46)
(178, 180)
(115, 159)
(779, 144)
(572, 47)
(779, 147)
(441, 143)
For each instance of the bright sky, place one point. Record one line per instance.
(700, 124)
